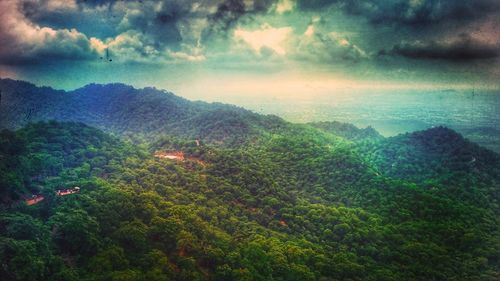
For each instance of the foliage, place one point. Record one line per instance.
(255, 198)
(293, 206)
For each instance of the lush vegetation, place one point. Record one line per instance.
(292, 206)
(254, 198)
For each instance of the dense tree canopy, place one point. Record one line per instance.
(295, 204)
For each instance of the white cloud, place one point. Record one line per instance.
(284, 6)
(186, 57)
(266, 36)
(325, 47)
(61, 4)
(23, 39)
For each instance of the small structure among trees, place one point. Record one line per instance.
(173, 155)
(34, 199)
(64, 192)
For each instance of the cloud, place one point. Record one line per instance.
(283, 6)
(463, 48)
(418, 13)
(226, 16)
(315, 4)
(35, 31)
(25, 42)
(326, 47)
(158, 20)
(61, 5)
(256, 35)
(98, 21)
(229, 12)
(264, 39)
(181, 56)
(131, 29)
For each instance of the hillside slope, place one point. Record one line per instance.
(125, 110)
(249, 197)
(440, 159)
(294, 207)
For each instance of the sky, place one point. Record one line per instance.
(202, 49)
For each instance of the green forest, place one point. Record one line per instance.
(299, 205)
(170, 189)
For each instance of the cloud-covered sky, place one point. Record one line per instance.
(216, 45)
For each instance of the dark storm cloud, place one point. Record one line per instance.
(92, 22)
(409, 12)
(315, 4)
(150, 30)
(24, 42)
(230, 12)
(51, 30)
(227, 14)
(262, 5)
(463, 49)
(104, 2)
(147, 28)
(160, 23)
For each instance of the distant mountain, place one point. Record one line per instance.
(436, 157)
(125, 110)
(347, 131)
(485, 136)
(427, 153)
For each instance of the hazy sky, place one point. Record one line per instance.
(250, 47)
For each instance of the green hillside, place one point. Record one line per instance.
(135, 113)
(171, 189)
(294, 204)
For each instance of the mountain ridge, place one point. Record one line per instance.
(140, 113)
(124, 109)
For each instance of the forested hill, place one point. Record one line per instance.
(216, 192)
(293, 207)
(125, 110)
(440, 159)
(429, 153)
